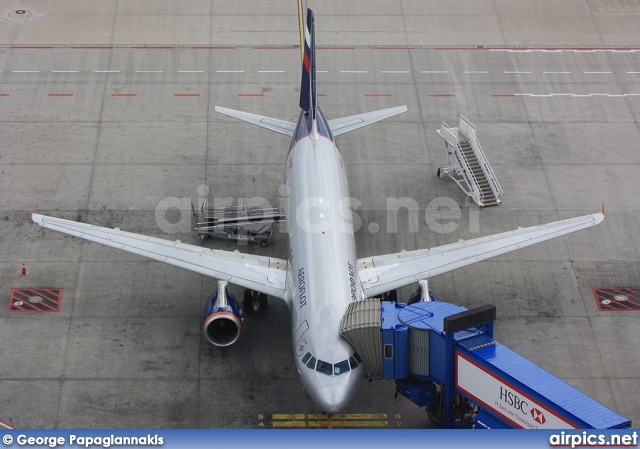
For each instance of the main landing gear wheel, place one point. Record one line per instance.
(255, 302)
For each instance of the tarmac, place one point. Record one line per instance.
(107, 116)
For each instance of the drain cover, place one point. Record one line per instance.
(20, 14)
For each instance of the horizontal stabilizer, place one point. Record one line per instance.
(345, 124)
(274, 124)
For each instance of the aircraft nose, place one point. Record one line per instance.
(332, 399)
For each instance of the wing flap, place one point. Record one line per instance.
(263, 274)
(384, 273)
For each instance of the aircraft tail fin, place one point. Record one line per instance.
(308, 97)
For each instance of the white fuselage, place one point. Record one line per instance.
(322, 278)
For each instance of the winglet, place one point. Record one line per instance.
(603, 214)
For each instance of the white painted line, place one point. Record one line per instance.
(597, 72)
(190, 71)
(26, 71)
(396, 71)
(561, 95)
(65, 71)
(230, 71)
(476, 71)
(516, 72)
(580, 95)
(271, 71)
(617, 95)
(633, 72)
(353, 71)
(434, 71)
(106, 71)
(322, 71)
(557, 72)
(149, 71)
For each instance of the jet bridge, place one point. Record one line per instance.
(444, 357)
(470, 168)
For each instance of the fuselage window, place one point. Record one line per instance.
(306, 357)
(312, 363)
(324, 367)
(341, 367)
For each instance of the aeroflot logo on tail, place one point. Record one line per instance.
(516, 402)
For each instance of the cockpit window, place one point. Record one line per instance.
(353, 363)
(324, 367)
(306, 357)
(341, 367)
(355, 354)
(312, 362)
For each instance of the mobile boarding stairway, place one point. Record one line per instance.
(443, 357)
(470, 168)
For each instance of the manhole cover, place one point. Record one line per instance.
(20, 14)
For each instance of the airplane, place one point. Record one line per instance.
(322, 274)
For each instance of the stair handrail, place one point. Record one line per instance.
(470, 130)
(466, 170)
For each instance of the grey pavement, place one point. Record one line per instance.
(106, 135)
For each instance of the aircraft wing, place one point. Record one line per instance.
(384, 273)
(274, 124)
(263, 274)
(345, 124)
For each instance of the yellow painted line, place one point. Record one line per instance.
(288, 416)
(333, 423)
(289, 424)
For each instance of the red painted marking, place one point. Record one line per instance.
(124, 95)
(442, 95)
(51, 298)
(377, 95)
(186, 95)
(320, 95)
(7, 425)
(61, 95)
(4, 95)
(542, 48)
(251, 95)
(273, 48)
(153, 48)
(213, 48)
(632, 302)
(32, 47)
(503, 95)
(394, 48)
(92, 48)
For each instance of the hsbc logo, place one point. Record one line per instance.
(514, 400)
(538, 416)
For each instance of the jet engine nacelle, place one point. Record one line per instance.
(223, 317)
